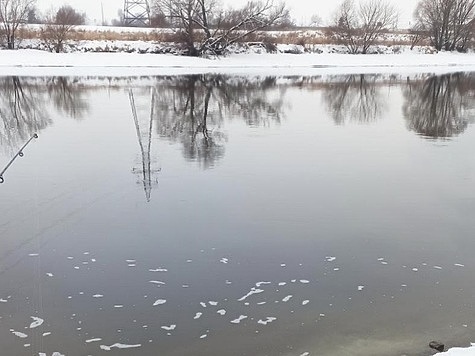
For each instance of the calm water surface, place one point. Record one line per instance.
(224, 215)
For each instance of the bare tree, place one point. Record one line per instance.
(359, 26)
(59, 26)
(206, 28)
(448, 23)
(13, 13)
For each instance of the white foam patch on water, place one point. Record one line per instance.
(437, 267)
(157, 282)
(3, 301)
(251, 292)
(159, 302)
(198, 315)
(287, 298)
(258, 284)
(266, 321)
(47, 334)
(213, 303)
(49, 274)
(118, 306)
(119, 346)
(36, 322)
(282, 283)
(70, 258)
(158, 270)
(283, 265)
(415, 269)
(203, 304)
(304, 281)
(305, 354)
(169, 328)
(130, 261)
(330, 258)
(56, 353)
(132, 265)
(33, 254)
(261, 303)
(221, 312)
(360, 288)
(98, 296)
(384, 263)
(459, 265)
(305, 302)
(19, 334)
(224, 260)
(204, 336)
(26, 345)
(238, 320)
(93, 340)
(228, 282)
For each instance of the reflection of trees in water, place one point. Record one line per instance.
(21, 110)
(354, 97)
(68, 97)
(191, 110)
(440, 106)
(24, 105)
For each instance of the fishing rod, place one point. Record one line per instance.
(19, 154)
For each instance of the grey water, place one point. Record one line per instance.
(237, 215)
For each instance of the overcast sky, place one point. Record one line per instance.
(301, 10)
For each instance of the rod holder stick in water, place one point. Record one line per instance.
(19, 154)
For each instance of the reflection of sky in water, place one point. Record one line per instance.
(272, 227)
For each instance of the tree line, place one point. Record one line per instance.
(205, 27)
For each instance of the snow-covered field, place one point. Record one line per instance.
(39, 63)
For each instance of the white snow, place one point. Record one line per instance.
(36, 322)
(460, 351)
(40, 63)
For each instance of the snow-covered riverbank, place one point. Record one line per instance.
(38, 63)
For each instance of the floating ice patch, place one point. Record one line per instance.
(169, 328)
(70, 258)
(304, 281)
(19, 334)
(267, 320)
(33, 254)
(213, 303)
(336, 269)
(221, 312)
(118, 306)
(57, 354)
(261, 303)
(228, 282)
(415, 269)
(132, 265)
(224, 260)
(287, 298)
(384, 263)
(293, 280)
(46, 334)
(159, 302)
(204, 336)
(36, 322)
(158, 270)
(360, 288)
(198, 315)
(283, 265)
(3, 301)
(97, 296)
(330, 258)
(203, 304)
(93, 340)
(305, 354)
(119, 346)
(305, 302)
(251, 292)
(157, 282)
(459, 265)
(282, 283)
(258, 284)
(437, 267)
(130, 261)
(189, 261)
(76, 267)
(49, 274)
(238, 320)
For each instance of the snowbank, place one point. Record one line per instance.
(39, 63)
(460, 351)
